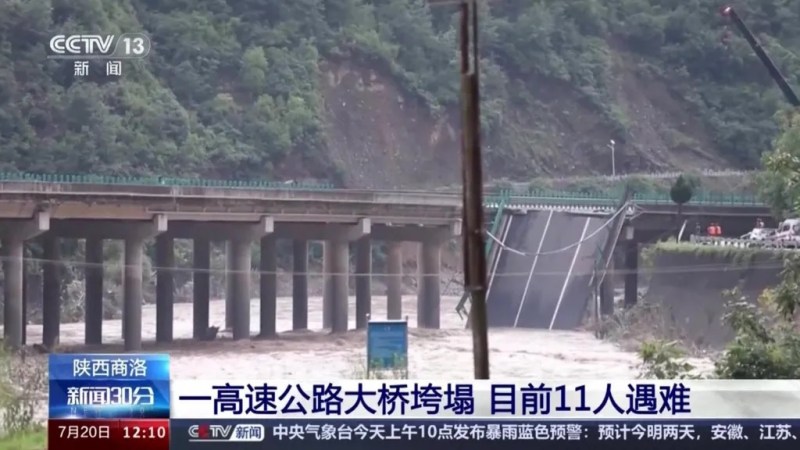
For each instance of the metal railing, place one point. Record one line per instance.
(611, 198)
(511, 197)
(158, 181)
(716, 241)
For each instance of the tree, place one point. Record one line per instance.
(680, 193)
(780, 183)
(254, 70)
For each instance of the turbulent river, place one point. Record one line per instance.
(440, 354)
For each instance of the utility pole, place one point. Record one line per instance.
(473, 238)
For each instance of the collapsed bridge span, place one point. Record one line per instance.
(542, 270)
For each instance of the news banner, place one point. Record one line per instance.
(128, 401)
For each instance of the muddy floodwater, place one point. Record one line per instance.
(440, 354)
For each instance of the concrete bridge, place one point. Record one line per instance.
(135, 213)
(99, 208)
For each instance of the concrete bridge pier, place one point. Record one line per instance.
(429, 296)
(363, 282)
(51, 291)
(14, 233)
(165, 287)
(201, 280)
(629, 247)
(26, 295)
(430, 255)
(93, 283)
(229, 285)
(606, 291)
(132, 294)
(336, 265)
(299, 284)
(132, 279)
(268, 284)
(13, 252)
(607, 296)
(336, 281)
(327, 302)
(240, 259)
(394, 281)
(631, 272)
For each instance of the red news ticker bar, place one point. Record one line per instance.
(101, 434)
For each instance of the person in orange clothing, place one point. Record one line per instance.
(718, 230)
(711, 230)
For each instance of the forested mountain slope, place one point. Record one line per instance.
(365, 93)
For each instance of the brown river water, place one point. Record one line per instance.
(433, 354)
(442, 354)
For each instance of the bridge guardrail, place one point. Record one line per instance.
(534, 197)
(606, 199)
(158, 181)
(332, 195)
(742, 243)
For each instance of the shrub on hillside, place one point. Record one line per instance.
(766, 345)
(664, 360)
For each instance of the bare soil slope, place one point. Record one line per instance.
(381, 138)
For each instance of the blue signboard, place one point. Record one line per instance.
(89, 386)
(387, 345)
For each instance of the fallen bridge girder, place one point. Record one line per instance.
(548, 286)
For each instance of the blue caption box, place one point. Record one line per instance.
(109, 386)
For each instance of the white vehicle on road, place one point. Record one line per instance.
(788, 234)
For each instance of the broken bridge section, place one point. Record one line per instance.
(542, 275)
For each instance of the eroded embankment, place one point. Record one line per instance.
(689, 281)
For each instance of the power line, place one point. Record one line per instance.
(680, 269)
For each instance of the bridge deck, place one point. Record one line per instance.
(548, 287)
(124, 202)
(132, 201)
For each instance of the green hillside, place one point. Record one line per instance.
(232, 88)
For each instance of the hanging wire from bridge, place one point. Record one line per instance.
(77, 264)
(563, 249)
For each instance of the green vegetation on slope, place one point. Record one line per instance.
(767, 336)
(779, 183)
(231, 88)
